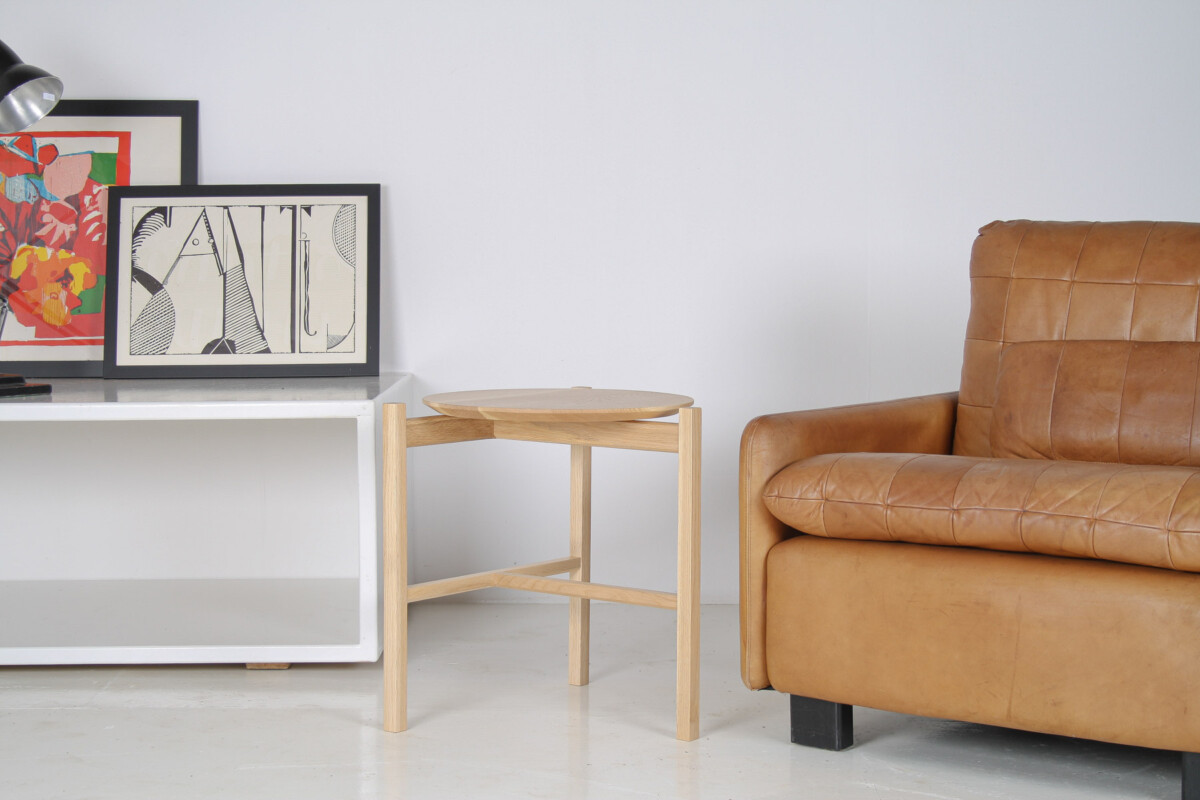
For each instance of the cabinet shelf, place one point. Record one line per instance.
(156, 621)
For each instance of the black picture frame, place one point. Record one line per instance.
(186, 111)
(243, 281)
(162, 147)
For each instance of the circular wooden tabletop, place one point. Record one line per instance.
(557, 405)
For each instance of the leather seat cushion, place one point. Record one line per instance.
(1136, 514)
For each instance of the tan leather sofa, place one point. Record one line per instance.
(1023, 552)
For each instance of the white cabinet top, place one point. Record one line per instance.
(203, 398)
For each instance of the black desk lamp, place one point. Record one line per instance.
(26, 95)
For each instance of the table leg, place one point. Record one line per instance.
(395, 567)
(687, 664)
(578, 629)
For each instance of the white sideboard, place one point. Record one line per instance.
(192, 521)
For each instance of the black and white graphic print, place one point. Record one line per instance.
(245, 278)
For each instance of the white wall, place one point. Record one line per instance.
(764, 205)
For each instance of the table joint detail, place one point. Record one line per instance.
(586, 589)
(423, 431)
(429, 590)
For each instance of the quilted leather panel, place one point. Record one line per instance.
(1136, 514)
(1126, 402)
(1071, 281)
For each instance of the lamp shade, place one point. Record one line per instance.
(26, 93)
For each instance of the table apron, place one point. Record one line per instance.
(662, 437)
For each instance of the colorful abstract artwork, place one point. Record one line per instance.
(227, 281)
(53, 208)
(54, 182)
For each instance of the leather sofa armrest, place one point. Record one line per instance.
(770, 443)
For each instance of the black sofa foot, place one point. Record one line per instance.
(829, 726)
(1191, 776)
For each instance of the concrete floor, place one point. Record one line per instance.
(492, 716)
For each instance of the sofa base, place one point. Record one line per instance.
(1191, 776)
(830, 726)
(820, 723)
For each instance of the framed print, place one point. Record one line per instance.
(242, 281)
(54, 181)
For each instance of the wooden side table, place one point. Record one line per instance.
(582, 418)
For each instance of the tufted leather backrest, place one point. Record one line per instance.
(1079, 282)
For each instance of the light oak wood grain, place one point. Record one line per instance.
(687, 658)
(395, 567)
(592, 591)
(580, 404)
(424, 431)
(429, 590)
(579, 614)
(655, 436)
